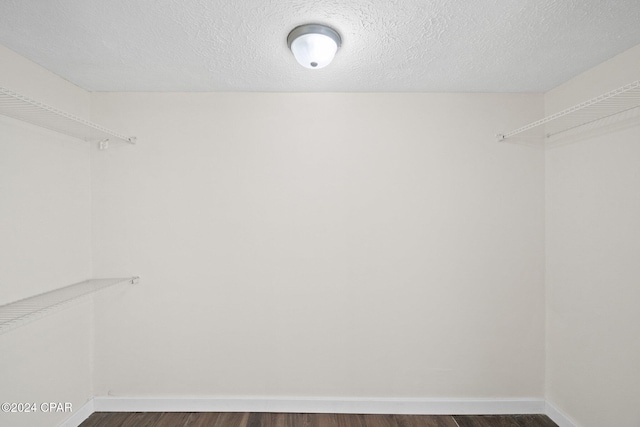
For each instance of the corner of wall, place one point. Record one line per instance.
(588, 188)
(48, 194)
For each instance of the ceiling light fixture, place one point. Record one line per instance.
(314, 45)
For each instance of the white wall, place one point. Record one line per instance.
(593, 253)
(324, 245)
(337, 245)
(45, 243)
(320, 245)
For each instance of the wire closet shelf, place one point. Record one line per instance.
(593, 111)
(20, 107)
(21, 312)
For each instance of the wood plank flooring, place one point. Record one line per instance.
(262, 419)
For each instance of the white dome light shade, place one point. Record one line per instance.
(313, 45)
(314, 50)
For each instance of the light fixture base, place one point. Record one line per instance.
(314, 29)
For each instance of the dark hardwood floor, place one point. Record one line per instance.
(261, 419)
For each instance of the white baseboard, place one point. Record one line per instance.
(558, 417)
(323, 405)
(80, 415)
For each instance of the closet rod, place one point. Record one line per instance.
(601, 107)
(21, 312)
(20, 107)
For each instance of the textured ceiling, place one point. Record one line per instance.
(388, 45)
